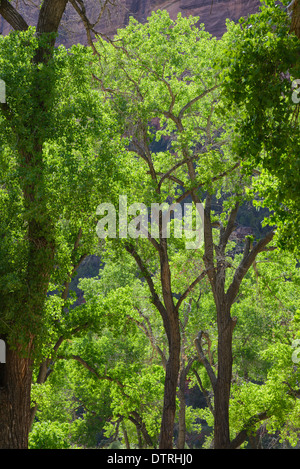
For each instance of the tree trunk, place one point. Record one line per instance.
(185, 368)
(171, 325)
(127, 445)
(169, 407)
(181, 418)
(171, 380)
(295, 14)
(15, 390)
(223, 383)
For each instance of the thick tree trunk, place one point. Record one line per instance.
(172, 328)
(171, 380)
(295, 14)
(15, 387)
(223, 382)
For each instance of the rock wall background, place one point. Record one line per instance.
(212, 13)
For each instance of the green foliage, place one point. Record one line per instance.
(164, 70)
(53, 176)
(258, 70)
(267, 325)
(49, 435)
(160, 102)
(142, 88)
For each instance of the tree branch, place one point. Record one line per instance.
(245, 264)
(204, 361)
(149, 333)
(194, 100)
(155, 298)
(12, 16)
(189, 289)
(138, 421)
(215, 178)
(204, 391)
(208, 242)
(224, 235)
(92, 370)
(86, 23)
(243, 434)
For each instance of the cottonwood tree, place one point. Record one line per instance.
(268, 137)
(261, 402)
(181, 93)
(224, 293)
(162, 73)
(51, 124)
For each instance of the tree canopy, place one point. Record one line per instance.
(160, 152)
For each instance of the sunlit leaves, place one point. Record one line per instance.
(258, 74)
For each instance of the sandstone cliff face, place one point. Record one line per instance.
(212, 13)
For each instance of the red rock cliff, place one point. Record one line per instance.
(212, 13)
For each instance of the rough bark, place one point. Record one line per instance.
(171, 325)
(15, 400)
(223, 382)
(12, 16)
(171, 379)
(184, 370)
(181, 419)
(294, 11)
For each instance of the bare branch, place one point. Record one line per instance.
(225, 233)
(208, 242)
(86, 23)
(215, 178)
(168, 176)
(147, 329)
(204, 391)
